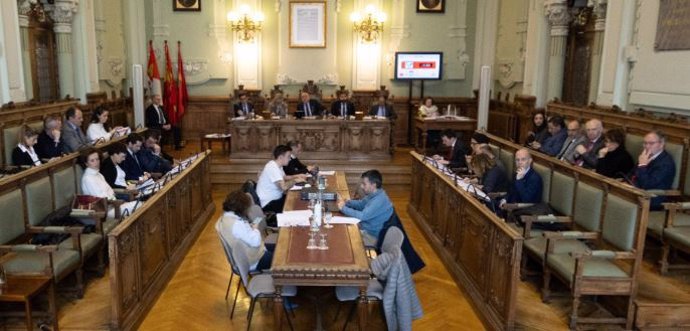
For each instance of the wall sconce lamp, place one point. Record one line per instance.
(369, 26)
(246, 24)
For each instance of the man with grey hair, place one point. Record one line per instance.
(575, 138)
(587, 154)
(50, 144)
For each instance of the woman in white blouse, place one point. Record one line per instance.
(428, 109)
(24, 154)
(93, 183)
(99, 129)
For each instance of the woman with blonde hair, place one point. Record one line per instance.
(24, 154)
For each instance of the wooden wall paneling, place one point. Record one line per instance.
(152, 237)
(205, 115)
(125, 278)
(480, 251)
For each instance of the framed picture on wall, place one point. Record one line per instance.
(431, 6)
(307, 24)
(186, 5)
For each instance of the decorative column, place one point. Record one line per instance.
(599, 13)
(62, 12)
(557, 13)
(24, 7)
(133, 16)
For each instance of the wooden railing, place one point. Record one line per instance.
(148, 246)
(481, 252)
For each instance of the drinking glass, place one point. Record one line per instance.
(323, 245)
(327, 220)
(311, 244)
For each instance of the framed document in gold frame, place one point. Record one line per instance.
(186, 5)
(307, 24)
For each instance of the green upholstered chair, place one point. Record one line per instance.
(15, 235)
(508, 159)
(545, 173)
(676, 232)
(607, 266)
(10, 142)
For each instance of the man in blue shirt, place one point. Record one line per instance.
(655, 167)
(552, 145)
(373, 210)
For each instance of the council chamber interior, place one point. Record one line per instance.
(344, 164)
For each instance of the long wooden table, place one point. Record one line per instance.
(422, 126)
(344, 264)
(322, 139)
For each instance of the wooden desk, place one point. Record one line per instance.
(344, 264)
(23, 289)
(422, 126)
(330, 139)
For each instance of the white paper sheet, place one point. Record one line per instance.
(327, 172)
(294, 218)
(344, 220)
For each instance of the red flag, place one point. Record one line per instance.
(170, 97)
(152, 72)
(182, 96)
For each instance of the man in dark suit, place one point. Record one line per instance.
(383, 109)
(157, 119)
(243, 107)
(151, 157)
(132, 166)
(50, 144)
(456, 153)
(295, 166)
(587, 153)
(655, 167)
(72, 134)
(342, 107)
(527, 184)
(307, 106)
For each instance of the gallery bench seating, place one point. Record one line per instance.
(677, 145)
(26, 199)
(605, 222)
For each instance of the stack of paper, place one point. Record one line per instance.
(294, 218)
(344, 220)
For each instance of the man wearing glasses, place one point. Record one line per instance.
(655, 167)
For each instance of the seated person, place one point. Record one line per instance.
(273, 182)
(655, 167)
(343, 106)
(243, 107)
(94, 184)
(527, 184)
(586, 154)
(110, 167)
(558, 134)
(50, 145)
(99, 128)
(278, 106)
(428, 109)
(539, 131)
(72, 135)
(486, 150)
(295, 166)
(307, 107)
(373, 210)
(24, 154)
(151, 156)
(456, 152)
(491, 178)
(383, 109)
(477, 141)
(575, 138)
(236, 229)
(614, 160)
(131, 165)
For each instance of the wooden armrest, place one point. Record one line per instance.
(27, 248)
(6, 257)
(546, 219)
(604, 254)
(553, 235)
(514, 206)
(668, 193)
(676, 205)
(73, 230)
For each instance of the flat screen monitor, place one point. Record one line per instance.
(418, 65)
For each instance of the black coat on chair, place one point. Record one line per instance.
(414, 262)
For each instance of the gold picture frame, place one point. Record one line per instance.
(307, 21)
(186, 5)
(431, 6)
